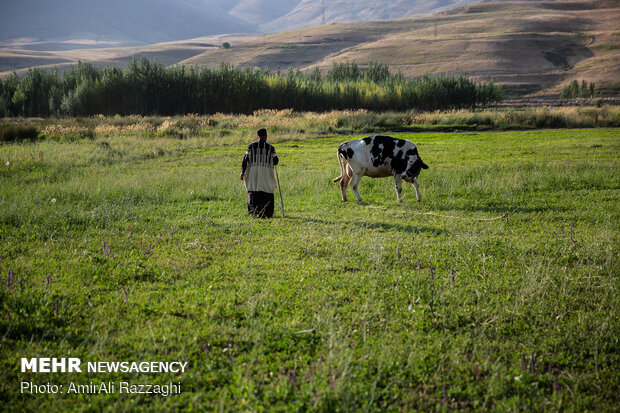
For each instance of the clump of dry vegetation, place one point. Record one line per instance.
(285, 124)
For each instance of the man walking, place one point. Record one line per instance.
(257, 173)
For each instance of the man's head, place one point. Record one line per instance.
(262, 133)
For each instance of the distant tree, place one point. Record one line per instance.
(226, 45)
(315, 76)
(19, 102)
(340, 72)
(377, 72)
(9, 87)
(575, 90)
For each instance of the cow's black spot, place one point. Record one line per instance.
(368, 140)
(400, 143)
(411, 152)
(399, 165)
(382, 150)
(350, 153)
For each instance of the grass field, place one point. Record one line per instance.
(129, 248)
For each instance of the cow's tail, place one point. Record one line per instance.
(340, 154)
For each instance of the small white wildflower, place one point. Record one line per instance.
(53, 200)
(7, 163)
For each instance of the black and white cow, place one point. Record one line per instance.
(379, 157)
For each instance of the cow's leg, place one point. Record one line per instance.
(344, 181)
(416, 186)
(398, 182)
(355, 180)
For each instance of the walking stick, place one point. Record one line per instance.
(280, 190)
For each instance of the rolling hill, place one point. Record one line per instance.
(309, 13)
(70, 24)
(532, 48)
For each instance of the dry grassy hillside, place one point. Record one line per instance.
(169, 53)
(531, 47)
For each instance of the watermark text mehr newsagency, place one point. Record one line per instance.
(74, 365)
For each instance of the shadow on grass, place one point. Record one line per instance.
(501, 209)
(385, 226)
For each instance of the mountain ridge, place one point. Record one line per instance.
(47, 25)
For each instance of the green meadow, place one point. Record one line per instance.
(499, 291)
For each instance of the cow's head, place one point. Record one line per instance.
(414, 166)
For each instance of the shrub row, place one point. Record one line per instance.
(15, 132)
(151, 89)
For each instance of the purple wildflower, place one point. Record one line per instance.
(230, 358)
(47, 280)
(556, 385)
(207, 350)
(312, 372)
(176, 267)
(445, 395)
(293, 378)
(130, 230)
(10, 277)
(125, 291)
(419, 268)
(106, 250)
(452, 274)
